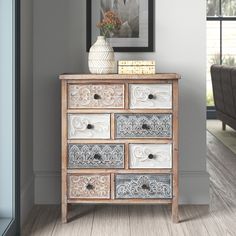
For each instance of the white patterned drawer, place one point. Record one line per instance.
(150, 155)
(89, 126)
(88, 186)
(95, 96)
(150, 96)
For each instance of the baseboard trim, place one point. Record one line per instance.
(194, 187)
(27, 199)
(47, 188)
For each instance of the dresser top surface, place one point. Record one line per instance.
(159, 76)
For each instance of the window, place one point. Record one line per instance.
(221, 38)
(9, 117)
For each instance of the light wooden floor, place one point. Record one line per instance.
(219, 219)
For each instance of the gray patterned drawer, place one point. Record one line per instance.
(144, 186)
(96, 156)
(143, 125)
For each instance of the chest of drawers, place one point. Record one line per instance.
(119, 140)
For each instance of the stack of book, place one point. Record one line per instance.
(136, 67)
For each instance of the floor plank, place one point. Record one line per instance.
(217, 219)
(221, 164)
(42, 221)
(227, 137)
(142, 221)
(111, 220)
(80, 222)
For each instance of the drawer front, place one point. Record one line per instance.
(150, 155)
(144, 186)
(95, 96)
(88, 186)
(152, 96)
(89, 126)
(143, 125)
(96, 156)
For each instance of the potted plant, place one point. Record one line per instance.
(101, 54)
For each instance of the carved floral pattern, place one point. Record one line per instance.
(78, 126)
(82, 96)
(99, 186)
(82, 156)
(130, 126)
(162, 96)
(143, 186)
(142, 153)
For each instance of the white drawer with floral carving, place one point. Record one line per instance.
(150, 96)
(150, 155)
(89, 126)
(95, 96)
(88, 186)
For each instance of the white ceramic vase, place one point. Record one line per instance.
(101, 59)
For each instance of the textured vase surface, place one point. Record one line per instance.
(101, 59)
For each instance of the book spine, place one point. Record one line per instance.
(136, 63)
(143, 70)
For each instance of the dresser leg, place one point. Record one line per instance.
(175, 211)
(64, 212)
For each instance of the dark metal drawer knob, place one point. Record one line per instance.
(89, 126)
(97, 156)
(96, 96)
(150, 96)
(146, 187)
(89, 186)
(145, 126)
(150, 156)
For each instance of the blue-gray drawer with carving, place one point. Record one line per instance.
(95, 156)
(143, 125)
(155, 186)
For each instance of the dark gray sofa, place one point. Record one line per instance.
(224, 92)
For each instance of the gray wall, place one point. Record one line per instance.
(27, 174)
(59, 46)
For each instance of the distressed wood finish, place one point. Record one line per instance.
(95, 156)
(150, 155)
(175, 203)
(150, 140)
(114, 77)
(106, 139)
(95, 96)
(88, 186)
(134, 111)
(150, 96)
(88, 126)
(121, 171)
(144, 186)
(64, 200)
(143, 125)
